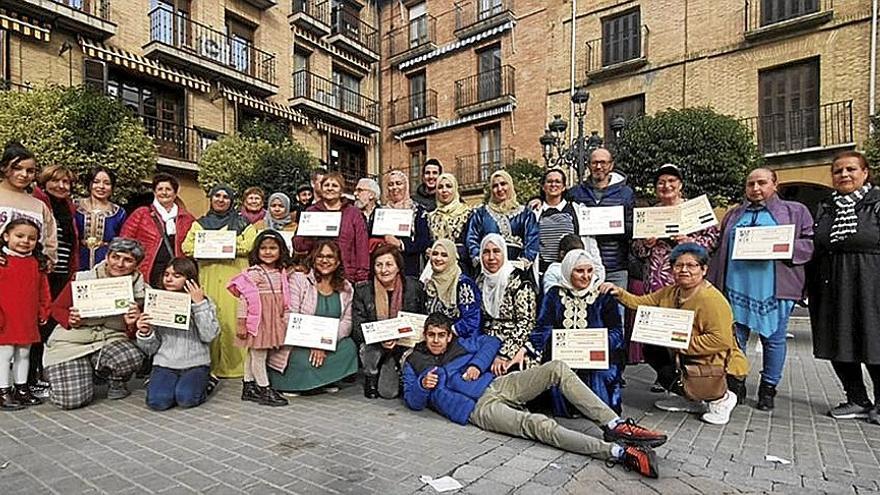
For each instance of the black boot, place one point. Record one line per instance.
(8, 402)
(24, 396)
(270, 397)
(766, 393)
(371, 386)
(738, 387)
(249, 392)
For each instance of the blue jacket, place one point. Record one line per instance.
(613, 248)
(523, 241)
(469, 319)
(417, 243)
(453, 397)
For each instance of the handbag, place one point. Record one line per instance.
(704, 382)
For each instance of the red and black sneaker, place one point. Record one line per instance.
(642, 460)
(629, 433)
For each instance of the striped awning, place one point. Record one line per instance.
(262, 105)
(343, 133)
(139, 63)
(24, 25)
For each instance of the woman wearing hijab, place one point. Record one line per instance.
(227, 360)
(451, 292)
(278, 216)
(449, 220)
(396, 187)
(504, 215)
(508, 304)
(577, 304)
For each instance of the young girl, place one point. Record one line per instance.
(24, 305)
(181, 358)
(263, 291)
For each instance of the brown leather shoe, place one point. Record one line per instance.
(8, 401)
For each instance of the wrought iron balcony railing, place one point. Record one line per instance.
(95, 8)
(349, 24)
(174, 140)
(475, 12)
(316, 9)
(822, 126)
(485, 86)
(474, 170)
(628, 46)
(414, 107)
(419, 33)
(764, 13)
(326, 92)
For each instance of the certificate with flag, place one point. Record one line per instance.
(393, 221)
(168, 309)
(215, 245)
(319, 223)
(585, 348)
(102, 296)
(665, 327)
(764, 243)
(312, 332)
(601, 220)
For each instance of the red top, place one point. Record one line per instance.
(24, 300)
(142, 226)
(352, 241)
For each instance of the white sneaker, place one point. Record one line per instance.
(719, 410)
(677, 403)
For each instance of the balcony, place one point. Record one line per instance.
(416, 38)
(313, 93)
(821, 128)
(476, 16)
(606, 58)
(413, 111)
(768, 18)
(262, 4)
(180, 41)
(473, 171)
(312, 16)
(351, 34)
(489, 89)
(89, 18)
(176, 143)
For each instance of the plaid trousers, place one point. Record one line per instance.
(73, 383)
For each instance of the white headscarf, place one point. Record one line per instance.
(575, 258)
(493, 285)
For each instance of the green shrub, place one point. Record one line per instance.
(872, 147)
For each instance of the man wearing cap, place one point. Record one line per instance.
(424, 194)
(81, 348)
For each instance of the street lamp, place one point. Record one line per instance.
(553, 146)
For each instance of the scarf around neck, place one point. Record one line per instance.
(407, 202)
(444, 285)
(493, 285)
(229, 219)
(845, 219)
(572, 260)
(508, 205)
(168, 217)
(455, 207)
(386, 309)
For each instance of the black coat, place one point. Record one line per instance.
(363, 308)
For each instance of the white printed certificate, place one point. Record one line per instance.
(312, 332)
(393, 221)
(390, 329)
(764, 243)
(215, 245)
(319, 223)
(168, 309)
(417, 322)
(691, 216)
(601, 220)
(101, 297)
(665, 327)
(696, 215)
(582, 349)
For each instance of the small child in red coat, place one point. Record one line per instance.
(24, 305)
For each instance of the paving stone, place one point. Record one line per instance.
(488, 487)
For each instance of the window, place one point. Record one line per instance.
(346, 19)
(489, 73)
(621, 38)
(418, 25)
(4, 58)
(789, 107)
(347, 158)
(241, 45)
(301, 60)
(418, 153)
(301, 80)
(773, 11)
(170, 24)
(347, 93)
(628, 108)
(490, 150)
(417, 96)
(488, 8)
(95, 74)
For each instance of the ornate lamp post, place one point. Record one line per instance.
(576, 153)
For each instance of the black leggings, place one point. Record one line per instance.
(850, 376)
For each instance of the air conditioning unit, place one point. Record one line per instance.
(214, 50)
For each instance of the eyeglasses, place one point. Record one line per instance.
(686, 266)
(600, 163)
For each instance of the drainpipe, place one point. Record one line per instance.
(377, 88)
(872, 90)
(572, 75)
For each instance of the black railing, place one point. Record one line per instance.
(761, 13)
(348, 23)
(476, 11)
(315, 88)
(823, 126)
(474, 170)
(7, 85)
(177, 30)
(174, 140)
(414, 107)
(631, 45)
(316, 9)
(95, 8)
(419, 32)
(485, 86)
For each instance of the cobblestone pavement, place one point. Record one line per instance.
(343, 443)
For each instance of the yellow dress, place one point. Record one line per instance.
(227, 360)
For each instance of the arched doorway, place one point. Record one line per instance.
(810, 194)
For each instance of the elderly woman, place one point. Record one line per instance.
(577, 304)
(18, 167)
(160, 228)
(80, 349)
(98, 220)
(762, 293)
(413, 247)
(323, 291)
(353, 237)
(504, 215)
(508, 304)
(387, 293)
(712, 342)
(252, 204)
(450, 218)
(451, 292)
(844, 285)
(227, 359)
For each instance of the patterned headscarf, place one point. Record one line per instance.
(509, 204)
(272, 222)
(572, 260)
(493, 285)
(407, 202)
(444, 285)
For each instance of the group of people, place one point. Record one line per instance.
(494, 282)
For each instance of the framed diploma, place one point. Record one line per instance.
(416, 321)
(582, 349)
(168, 309)
(215, 245)
(319, 223)
(102, 296)
(390, 329)
(393, 221)
(665, 327)
(691, 216)
(601, 220)
(313, 332)
(764, 243)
